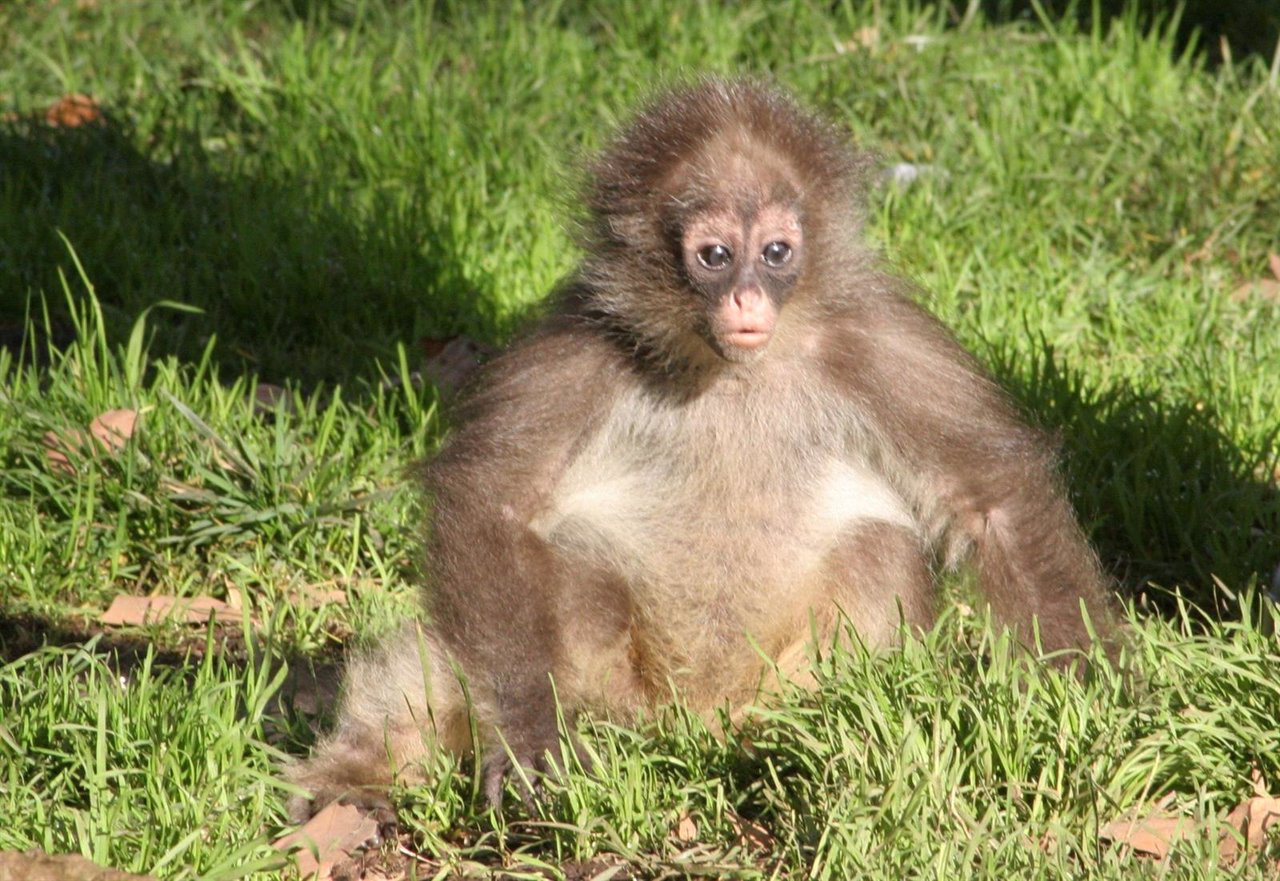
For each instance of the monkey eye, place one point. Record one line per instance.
(715, 257)
(776, 254)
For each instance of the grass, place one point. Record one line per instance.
(297, 193)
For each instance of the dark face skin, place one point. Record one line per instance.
(744, 264)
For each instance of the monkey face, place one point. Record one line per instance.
(742, 264)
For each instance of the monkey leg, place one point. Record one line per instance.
(1038, 571)
(399, 702)
(878, 579)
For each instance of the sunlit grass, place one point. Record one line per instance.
(297, 193)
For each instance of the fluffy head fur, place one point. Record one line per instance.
(715, 144)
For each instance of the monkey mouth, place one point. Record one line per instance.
(747, 340)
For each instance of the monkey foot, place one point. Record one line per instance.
(374, 804)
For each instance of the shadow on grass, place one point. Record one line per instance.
(295, 290)
(292, 287)
(1168, 499)
(1249, 27)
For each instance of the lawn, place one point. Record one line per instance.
(241, 244)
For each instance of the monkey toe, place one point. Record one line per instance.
(377, 808)
(495, 774)
(527, 771)
(299, 809)
(371, 802)
(496, 771)
(585, 760)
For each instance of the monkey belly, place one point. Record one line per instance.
(718, 573)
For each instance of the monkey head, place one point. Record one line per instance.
(700, 211)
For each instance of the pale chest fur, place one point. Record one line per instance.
(725, 507)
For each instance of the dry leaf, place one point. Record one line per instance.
(1273, 260)
(1263, 289)
(1151, 835)
(73, 111)
(315, 596)
(135, 611)
(686, 829)
(33, 865)
(114, 428)
(180, 491)
(606, 868)
(61, 449)
(111, 430)
(268, 398)
(383, 873)
(864, 38)
(751, 834)
(1253, 820)
(327, 838)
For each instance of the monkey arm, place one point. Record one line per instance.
(494, 586)
(988, 481)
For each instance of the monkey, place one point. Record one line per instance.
(734, 430)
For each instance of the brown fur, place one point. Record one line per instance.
(630, 504)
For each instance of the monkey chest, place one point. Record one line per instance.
(706, 502)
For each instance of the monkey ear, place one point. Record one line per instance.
(634, 234)
(629, 230)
